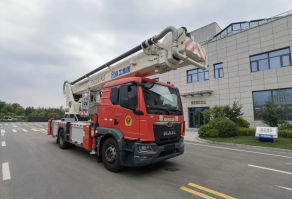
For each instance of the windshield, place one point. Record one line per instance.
(161, 99)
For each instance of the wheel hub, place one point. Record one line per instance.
(110, 154)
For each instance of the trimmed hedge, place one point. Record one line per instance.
(226, 127)
(247, 131)
(286, 133)
(251, 132)
(285, 126)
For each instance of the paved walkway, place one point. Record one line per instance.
(192, 135)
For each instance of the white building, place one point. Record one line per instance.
(248, 61)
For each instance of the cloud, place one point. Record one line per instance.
(45, 42)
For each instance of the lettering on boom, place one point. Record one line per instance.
(121, 71)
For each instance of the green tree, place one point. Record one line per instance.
(234, 112)
(271, 114)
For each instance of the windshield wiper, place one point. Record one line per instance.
(159, 109)
(175, 110)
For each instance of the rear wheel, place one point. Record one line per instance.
(111, 155)
(61, 140)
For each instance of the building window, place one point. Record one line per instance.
(218, 70)
(279, 97)
(197, 75)
(270, 60)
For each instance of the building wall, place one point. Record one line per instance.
(206, 33)
(238, 81)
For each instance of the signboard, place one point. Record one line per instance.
(198, 102)
(267, 132)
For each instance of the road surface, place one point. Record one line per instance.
(33, 166)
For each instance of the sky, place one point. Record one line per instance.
(45, 42)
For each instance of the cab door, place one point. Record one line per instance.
(125, 118)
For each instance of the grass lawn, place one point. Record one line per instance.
(283, 143)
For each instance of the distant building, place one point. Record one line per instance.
(248, 61)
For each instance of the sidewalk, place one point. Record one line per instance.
(192, 135)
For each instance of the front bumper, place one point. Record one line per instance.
(159, 153)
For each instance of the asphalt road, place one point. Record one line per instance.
(34, 167)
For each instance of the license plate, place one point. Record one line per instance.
(169, 147)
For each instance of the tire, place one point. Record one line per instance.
(61, 140)
(111, 155)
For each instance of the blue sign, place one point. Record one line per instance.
(121, 71)
(266, 138)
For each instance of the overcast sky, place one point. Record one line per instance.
(45, 42)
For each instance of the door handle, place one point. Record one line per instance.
(116, 121)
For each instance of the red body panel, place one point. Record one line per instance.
(87, 141)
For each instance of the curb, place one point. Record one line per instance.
(245, 145)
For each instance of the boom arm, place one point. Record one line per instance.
(177, 49)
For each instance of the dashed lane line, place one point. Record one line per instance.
(287, 188)
(14, 130)
(5, 171)
(35, 128)
(270, 169)
(240, 150)
(2, 132)
(24, 130)
(3, 143)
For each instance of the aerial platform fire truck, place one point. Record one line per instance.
(123, 117)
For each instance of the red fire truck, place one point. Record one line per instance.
(123, 117)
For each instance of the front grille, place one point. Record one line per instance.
(166, 132)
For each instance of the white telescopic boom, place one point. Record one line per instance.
(178, 49)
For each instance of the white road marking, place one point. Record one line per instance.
(3, 143)
(14, 131)
(24, 130)
(2, 130)
(241, 150)
(287, 188)
(270, 169)
(14, 126)
(5, 171)
(43, 129)
(34, 129)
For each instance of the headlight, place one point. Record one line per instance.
(145, 148)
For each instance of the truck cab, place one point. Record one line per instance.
(148, 116)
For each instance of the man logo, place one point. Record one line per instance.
(128, 120)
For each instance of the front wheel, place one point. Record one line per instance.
(111, 155)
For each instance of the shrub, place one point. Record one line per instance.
(203, 130)
(247, 131)
(271, 114)
(232, 113)
(242, 122)
(207, 115)
(285, 133)
(212, 133)
(226, 127)
(285, 125)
